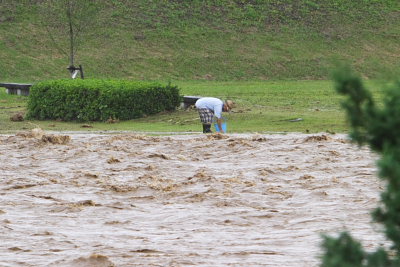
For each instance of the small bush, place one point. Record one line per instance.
(99, 100)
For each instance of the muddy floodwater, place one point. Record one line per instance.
(181, 200)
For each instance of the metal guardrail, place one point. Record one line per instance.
(190, 100)
(17, 88)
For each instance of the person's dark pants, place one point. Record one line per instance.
(206, 117)
(207, 128)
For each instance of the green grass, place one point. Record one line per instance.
(262, 107)
(218, 40)
(256, 52)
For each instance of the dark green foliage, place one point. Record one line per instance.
(370, 125)
(378, 127)
(99, 100)
(343, 252)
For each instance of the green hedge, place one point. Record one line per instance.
(99, 100)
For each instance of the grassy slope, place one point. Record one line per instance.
(219, 48)
(210, 40)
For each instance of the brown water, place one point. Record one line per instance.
(181, 200)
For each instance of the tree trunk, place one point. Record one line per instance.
(71, 33)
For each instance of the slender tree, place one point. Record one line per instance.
(379, 128)
(68, 22)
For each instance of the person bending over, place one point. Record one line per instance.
(208, 107)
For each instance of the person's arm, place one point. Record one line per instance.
(219, 122)
(218, 115)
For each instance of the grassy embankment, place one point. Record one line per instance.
(252, 51)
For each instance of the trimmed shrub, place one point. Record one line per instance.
(99, 100)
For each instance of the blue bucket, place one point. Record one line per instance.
(223, 124)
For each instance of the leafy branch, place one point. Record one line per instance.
(380, 129)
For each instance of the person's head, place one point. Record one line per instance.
(228, 105)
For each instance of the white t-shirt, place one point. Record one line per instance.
(211, 103)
